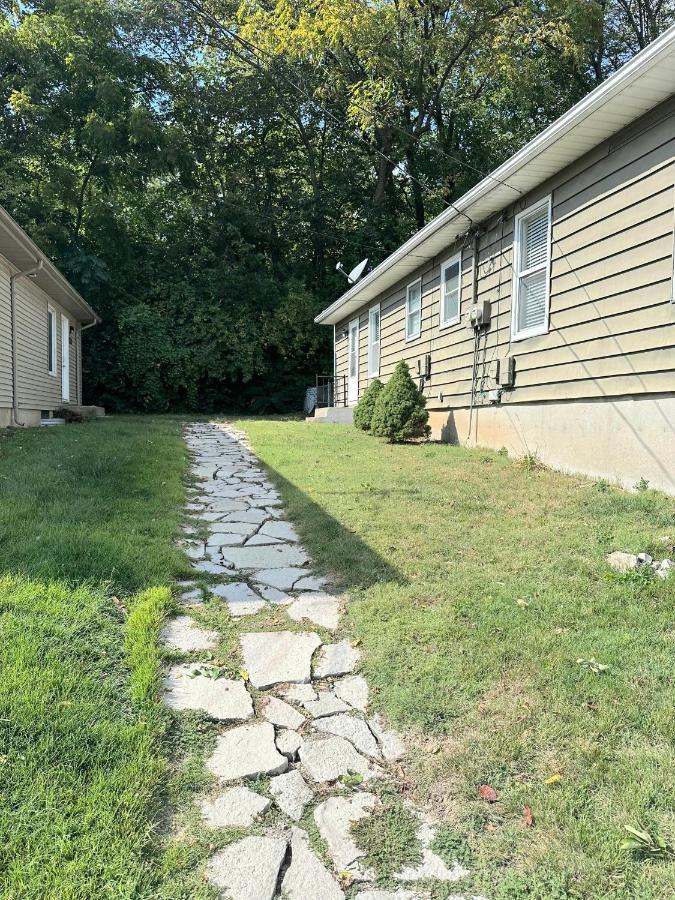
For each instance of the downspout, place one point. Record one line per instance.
(12, 318)
(79, 355)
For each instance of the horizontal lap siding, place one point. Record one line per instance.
(36, 388)
(5, 338)
(612, 322)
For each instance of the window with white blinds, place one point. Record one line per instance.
(413, 310)
(451, 290)
(374, 341)
(532, 271)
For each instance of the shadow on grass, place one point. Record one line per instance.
(335, 549)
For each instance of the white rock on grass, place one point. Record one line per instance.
(273, 657)
(248, 869)
(183, 633)
(282, 579)
(306, 877)
(431, 866)
(236, 808)
(622, 562)
(246, 752)
(391, 743)
(355, 730)
(327, 758)
(282, 714)
(220, 698)
(291, 793)
(326, 704)
(334, 819)
(320, 609)
(336, 659)
(289, 743)
(353, 689)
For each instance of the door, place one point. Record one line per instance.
(353, 378)
(65, 359)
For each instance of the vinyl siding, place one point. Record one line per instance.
(612, 319)
(5, 338)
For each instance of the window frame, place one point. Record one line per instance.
(374, 371)
(446, 323)
(52, 360)
(408, 335)
(518, 275)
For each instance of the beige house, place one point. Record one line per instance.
(538, 310)
(42, 318)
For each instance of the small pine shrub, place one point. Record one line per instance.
(364, 409)
(400, 413)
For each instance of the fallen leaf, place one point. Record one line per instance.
(523, 604)
(553, 779)
(485, 792)
(243, 674)
(528, 818)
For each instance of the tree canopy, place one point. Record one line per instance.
(198, 167)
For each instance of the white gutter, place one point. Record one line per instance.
(579, 113)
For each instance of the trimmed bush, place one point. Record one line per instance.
(364, 409)
(400, 413)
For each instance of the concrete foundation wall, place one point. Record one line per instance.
(622, 440)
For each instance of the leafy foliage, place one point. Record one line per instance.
(400, 413)
(364, 409)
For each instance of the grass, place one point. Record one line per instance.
(476, 585)
(88, 515)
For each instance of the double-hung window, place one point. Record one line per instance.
(451, 290)
(531, 271)
(413, 310)
(374, 341)
(51, 341)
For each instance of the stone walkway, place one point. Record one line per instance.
(298, 714)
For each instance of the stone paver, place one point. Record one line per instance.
(246, 752)
(182, 633)
(249, 868)
(220, 698)
(238, 807)
(336, 659)
(291, 793)
(306, 877)
(309, 740)
(274, 657)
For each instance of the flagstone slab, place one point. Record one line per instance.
(397, 895)
(431, 866)
(326, 704)
(219, 540)
(280, 713)
(241, 600)
(182, 633)
(282, 579)
(291, 793)
(247, 515)
(210, 567)
(248, 869)
(334, 819)
(353, 689)
(391, 743)
(274, 657)
(220, 698)
(336, 659)
(283, 530)
(262, 540)
(311, 583)
(288, 742)
(327, 758)
(246, 751)
(238, 807)
(307, 878)
(265, 557)
(221, 507)
(225, 529)
(354, 729)
(191, 598)
(320, 609)
(273, 595)
(300, 693)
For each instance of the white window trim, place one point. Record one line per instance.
(517, 275)
(457, 258)
(408, 336)
(374, 371)
(53, 361)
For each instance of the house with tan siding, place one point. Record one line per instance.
(42, 318)
(538, 312)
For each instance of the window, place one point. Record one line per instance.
(451, 290)
(51, 341)
(374, 341)
(531, 271)
(413, 310)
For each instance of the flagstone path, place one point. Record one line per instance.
(298, 714)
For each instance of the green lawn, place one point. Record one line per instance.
(477, 584)
(88, 517)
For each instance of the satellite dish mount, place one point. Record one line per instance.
(356, 273)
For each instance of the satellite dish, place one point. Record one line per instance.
(356, 273)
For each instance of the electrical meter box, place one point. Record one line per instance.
(506, 371)
(479, 314)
